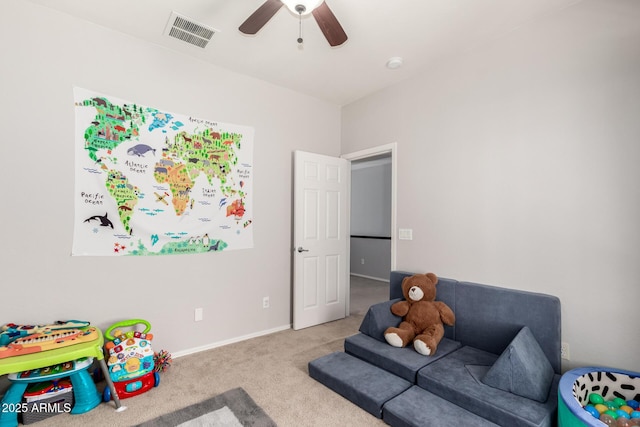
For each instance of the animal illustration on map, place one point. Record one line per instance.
(185, 137)
(140, 150)
(99, 101)
(104, 221)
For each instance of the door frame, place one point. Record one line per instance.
(390, 148)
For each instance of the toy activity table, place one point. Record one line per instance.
(85, 393)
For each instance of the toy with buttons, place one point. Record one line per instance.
(616, 412)
(130, 359)
(130, 355)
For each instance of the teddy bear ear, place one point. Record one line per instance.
(433, 278)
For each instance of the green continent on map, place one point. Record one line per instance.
(208, 152)
(184, 247)
(125, 195)
(112, 125)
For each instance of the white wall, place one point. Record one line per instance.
(371, 198)
(371, 217)
(44, 54)
(518, 166)
(370, 258)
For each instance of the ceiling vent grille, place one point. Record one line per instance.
(189, 31)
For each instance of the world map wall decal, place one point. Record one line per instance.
(153, 182)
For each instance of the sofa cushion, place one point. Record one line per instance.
(365, 385)
(378, 318)
(418, 407)
(522, 368)
(457, 378)
(489, 317)
(404, 362)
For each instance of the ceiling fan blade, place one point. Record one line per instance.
(260, 17)
(329, 25)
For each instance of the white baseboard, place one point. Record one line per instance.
(229, 341)
(370, 277)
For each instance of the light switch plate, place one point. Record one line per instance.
(405, 234)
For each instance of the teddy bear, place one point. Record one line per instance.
(423, 317)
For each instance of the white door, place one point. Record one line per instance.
(320, 238)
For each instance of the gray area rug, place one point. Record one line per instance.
(233, 408)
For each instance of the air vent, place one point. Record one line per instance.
(187, 30)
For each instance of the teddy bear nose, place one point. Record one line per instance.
(415, 293)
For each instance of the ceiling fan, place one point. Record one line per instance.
(325, 18)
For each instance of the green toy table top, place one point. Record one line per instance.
(45, 358)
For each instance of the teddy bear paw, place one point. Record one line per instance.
(393, 339)
(422, 348)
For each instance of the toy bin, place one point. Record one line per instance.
(599, 397)
(46, 399)
(130, 359)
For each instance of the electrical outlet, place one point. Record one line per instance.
(362, 261)
(197, 315)
(265, 302)
(564, 350)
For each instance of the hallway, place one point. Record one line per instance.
(366, 292)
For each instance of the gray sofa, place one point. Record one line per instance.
(498, 365)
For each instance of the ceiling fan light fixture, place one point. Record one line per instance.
(307, 6)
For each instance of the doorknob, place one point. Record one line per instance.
(301, 249)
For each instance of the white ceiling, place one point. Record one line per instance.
(420, 31)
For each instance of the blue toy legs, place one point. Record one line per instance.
(84, 392)
(11, 405)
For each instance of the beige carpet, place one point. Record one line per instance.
(272, 369)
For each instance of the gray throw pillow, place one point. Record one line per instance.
(522, 369)
(378, 318)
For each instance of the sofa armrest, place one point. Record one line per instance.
(378, 318)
